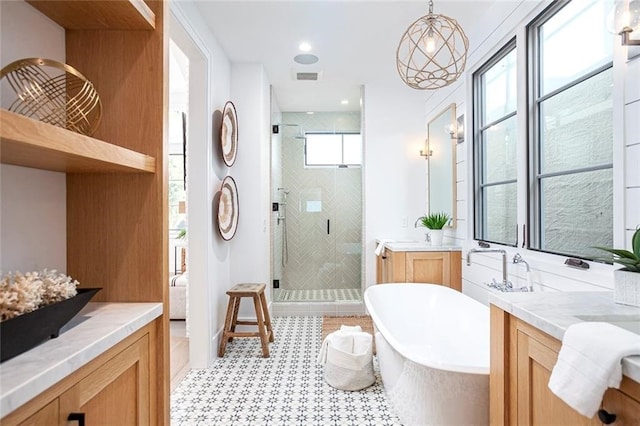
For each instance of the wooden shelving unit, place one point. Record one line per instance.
(98, 14)
(30, 143)
(117, 201)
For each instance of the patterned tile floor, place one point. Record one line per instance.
(286, 389)
(327, 295)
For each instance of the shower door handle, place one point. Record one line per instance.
(328, 227)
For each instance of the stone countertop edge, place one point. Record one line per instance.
(554, 312)
(419, 246)
(97, 328)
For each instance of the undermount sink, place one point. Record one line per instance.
(628, 322)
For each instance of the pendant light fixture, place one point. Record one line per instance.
(432, 52)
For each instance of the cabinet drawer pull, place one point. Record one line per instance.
(76, 417)
(605, 417)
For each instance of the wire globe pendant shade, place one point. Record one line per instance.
(432, 52)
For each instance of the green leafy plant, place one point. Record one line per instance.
(630, 260)
(182, 234)
(434, 220)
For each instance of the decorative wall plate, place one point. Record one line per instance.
(228, 209)
(229, 134)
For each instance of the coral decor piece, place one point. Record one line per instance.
(24, 293)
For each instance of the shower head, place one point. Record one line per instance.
(284, 190)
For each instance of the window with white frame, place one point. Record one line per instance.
(495, 148)
(571, 133)
(567, 198)
(332, 149)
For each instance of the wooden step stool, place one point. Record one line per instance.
(265, 332)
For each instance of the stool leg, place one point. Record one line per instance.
(234, 318)
(267, 318)
(264, 341)
(227, 327)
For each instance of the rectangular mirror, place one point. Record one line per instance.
(441, 137)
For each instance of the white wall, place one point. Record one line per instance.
(250, 248)
(209, 255)
(395, 191)
(32, 202)
(215, 265)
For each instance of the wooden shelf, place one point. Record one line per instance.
(99, 14)
(30, 143)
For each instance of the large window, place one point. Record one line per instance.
(333, 149)
(572, 134)
(495, 148)
(565, 136)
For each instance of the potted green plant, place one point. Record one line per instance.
(626, 281)
(435, 222)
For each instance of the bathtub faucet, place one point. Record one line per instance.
(505, 281)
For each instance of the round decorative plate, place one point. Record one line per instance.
(228, 209)
(229, 134)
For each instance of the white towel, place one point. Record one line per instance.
(589, 362)
(342, 339)
(380, 246)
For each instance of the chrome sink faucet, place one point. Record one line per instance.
(518, 259)
(505, 282)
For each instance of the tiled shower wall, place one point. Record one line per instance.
(318, 259)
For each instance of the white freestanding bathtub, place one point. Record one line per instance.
(432, 345)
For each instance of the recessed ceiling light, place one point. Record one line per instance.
(306, 59)
(304, 47)
(344, 102)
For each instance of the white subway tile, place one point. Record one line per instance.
(461, 190)
(461, 209)
(632, 161)
(632, 213)
(632, 123)
(632, 82)
(461, 153)
(461, 171)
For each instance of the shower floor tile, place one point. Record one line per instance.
(286, 389)
(327, 295)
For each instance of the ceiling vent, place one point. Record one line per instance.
(307, 75)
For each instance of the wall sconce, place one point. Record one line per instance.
(460, 129)
(426, 153)
(451, 128)
(624, 19)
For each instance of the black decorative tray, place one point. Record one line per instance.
(19, 334)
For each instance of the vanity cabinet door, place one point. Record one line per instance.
(625, 408)
(428, 267)
(391, 267)
(47, 415)
(534, 402)
(116, 393)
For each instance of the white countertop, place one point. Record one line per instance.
(416, 246)
(98, 327)
(553, 312)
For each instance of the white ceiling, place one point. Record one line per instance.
(356, 42)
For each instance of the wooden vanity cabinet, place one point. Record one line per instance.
(113, 389)
(522, 358)
(435, 267)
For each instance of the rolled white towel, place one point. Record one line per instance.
(589, 362)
